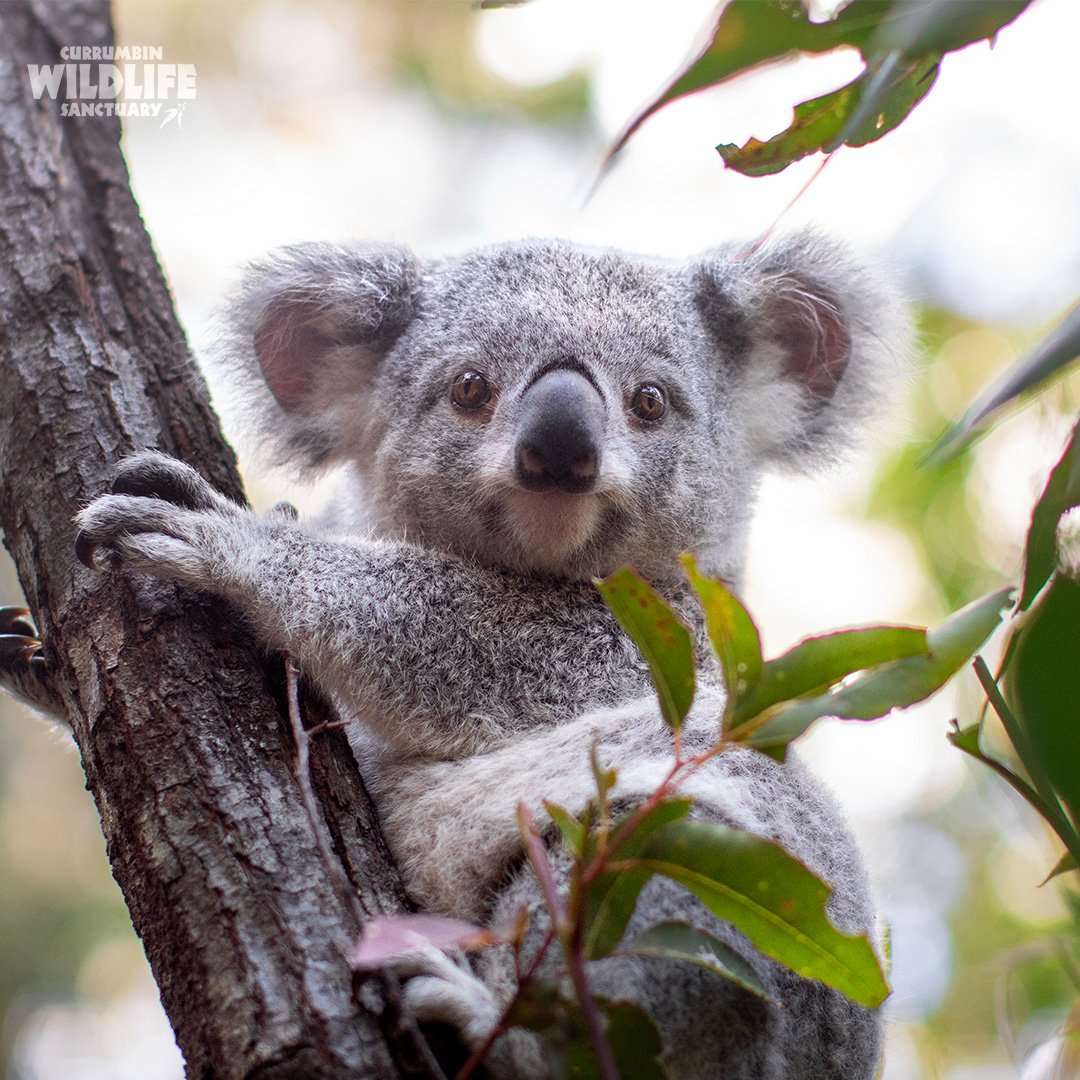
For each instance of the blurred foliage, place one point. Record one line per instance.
(265, 52)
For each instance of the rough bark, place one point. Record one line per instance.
(185, 748)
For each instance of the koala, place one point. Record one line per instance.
(513, 423)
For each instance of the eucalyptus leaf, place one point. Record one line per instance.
(733, 634)
(894, 685)
(1044, 361)
(1042, 687)
(901, 42)
(1062, 866)
(821, 661)
(572, 830)
(635, 1043)
(680, 941)
(859, 113)
(663, 638)
(772, 898)
(611, 897)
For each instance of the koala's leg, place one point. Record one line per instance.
(442, 656)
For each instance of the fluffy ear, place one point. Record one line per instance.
(810, 341)
(311, 325)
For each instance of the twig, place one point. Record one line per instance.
(570, 939)
(316, 819)
(504, 1024)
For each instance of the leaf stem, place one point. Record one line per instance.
(569, 934)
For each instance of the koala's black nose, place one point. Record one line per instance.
(560, 430)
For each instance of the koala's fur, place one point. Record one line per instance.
(452, 613)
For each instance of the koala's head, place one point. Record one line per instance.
(551, 408)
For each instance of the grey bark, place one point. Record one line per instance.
(185, 748)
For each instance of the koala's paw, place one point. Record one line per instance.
(162, 518)
(155, 475)
(436, 988)
(22, 667)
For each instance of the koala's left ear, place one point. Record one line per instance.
(808, 339)
(311, 324)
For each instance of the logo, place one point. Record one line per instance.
(120, 80)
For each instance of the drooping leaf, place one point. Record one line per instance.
(750, 33)
(901, 42)
(680, 941)
(856, 114)
(1061, 494)
(611, 897)
(1044, 361)
(662, 637)
(819, 662)
(772, 898)
(733, 634)
(1042, 686)
(895, 685)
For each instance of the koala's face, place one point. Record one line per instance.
(547, 413)
(554, 409)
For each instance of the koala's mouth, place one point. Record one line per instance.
(550, 526)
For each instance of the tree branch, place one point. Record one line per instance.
(181, 729)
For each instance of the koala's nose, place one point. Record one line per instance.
(560, 431)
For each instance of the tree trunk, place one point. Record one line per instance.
(185, 747)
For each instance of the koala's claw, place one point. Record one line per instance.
(16, 620)
(84, 550)
(151, 474)
(22, 666)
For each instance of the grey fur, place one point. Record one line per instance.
(457, 621)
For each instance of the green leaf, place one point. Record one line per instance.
(558, 1019)
(772, 898)
(917, 27)
(750, 33)
(1042, 686)
(1062, 866)
(856, 114)
(895, 685)
(1043, 362)
(732, 632)
(573, 831)
(680, 941)
(900, 41)
(1061, 494)
(663, 638)
(611, 897)
(635, 1043)
(821, 661)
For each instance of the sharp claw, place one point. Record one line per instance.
(16, 620)
(19, 645)
(84, 550)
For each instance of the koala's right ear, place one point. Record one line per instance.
(314, 321)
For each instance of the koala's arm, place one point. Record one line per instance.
(442, 656)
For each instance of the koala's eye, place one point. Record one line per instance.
(647, 403)
(470, 390)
